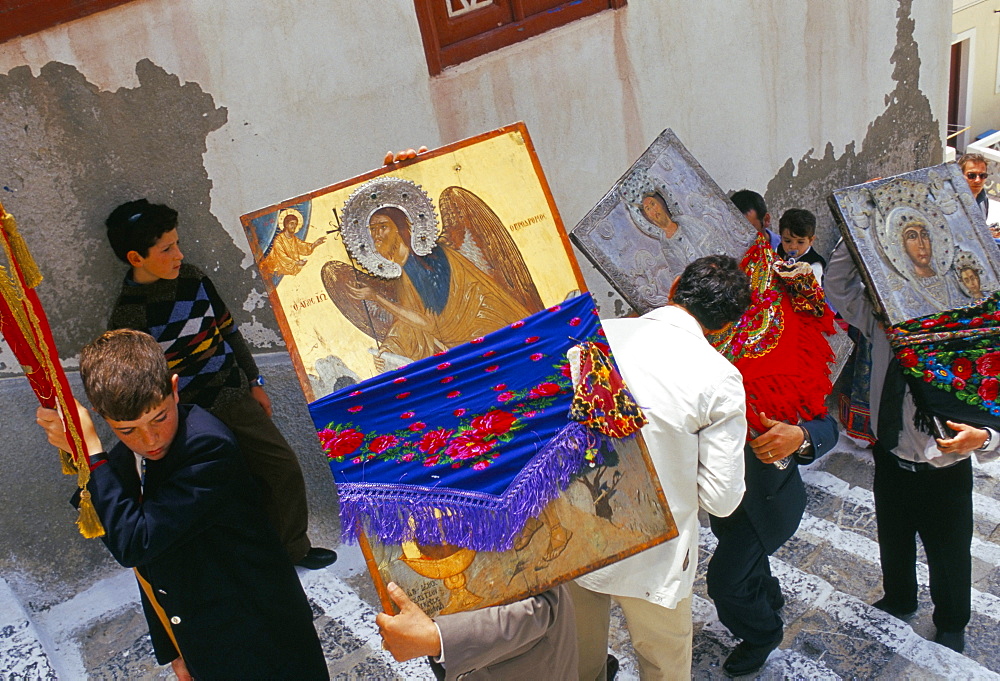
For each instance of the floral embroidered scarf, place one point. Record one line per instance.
(957, 352)
(463, 447)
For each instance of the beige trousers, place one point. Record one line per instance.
(660, 636)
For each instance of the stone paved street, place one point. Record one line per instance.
(828, 571)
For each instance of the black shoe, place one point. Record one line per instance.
(747, 658)
(901, 613)
(951, 639)
(317, 558)
(612, 667)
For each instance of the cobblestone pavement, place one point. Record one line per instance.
(829, 573)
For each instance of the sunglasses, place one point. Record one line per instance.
(980, 176)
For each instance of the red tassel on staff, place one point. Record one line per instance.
(25, 327)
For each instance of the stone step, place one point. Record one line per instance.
(22, 654)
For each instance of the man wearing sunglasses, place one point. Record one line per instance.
(974, 169)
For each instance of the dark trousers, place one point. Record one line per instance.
(739, 580)
(273, 462)
(937, 505)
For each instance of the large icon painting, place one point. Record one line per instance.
(428, 307)
(663, 213)
(921, 241)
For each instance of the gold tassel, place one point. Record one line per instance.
(88, 522)
(68, 465)
(32, 276)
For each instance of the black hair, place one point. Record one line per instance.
(137, 226)
(747, 200)
(799, 222)
(714, 289)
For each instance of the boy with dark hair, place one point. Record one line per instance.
(177, 503)
(797, 227)
(752, 205)
(179, 307)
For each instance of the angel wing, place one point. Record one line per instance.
(473, 229)
(367, 315)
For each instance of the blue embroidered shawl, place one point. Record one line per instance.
(462, 447)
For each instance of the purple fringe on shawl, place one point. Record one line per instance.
(474, 520)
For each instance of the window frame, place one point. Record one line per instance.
(520, 27)
(19, 18)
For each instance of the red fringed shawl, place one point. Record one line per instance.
(779, 344)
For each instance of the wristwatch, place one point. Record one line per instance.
(258, 382)
(805, 453)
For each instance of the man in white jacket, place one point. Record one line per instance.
(694, 400)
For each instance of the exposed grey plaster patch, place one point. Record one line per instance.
(255, 299)
(72, 152)
(260, 336)
(904, 137)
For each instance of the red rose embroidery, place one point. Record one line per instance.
(480, 465)
(555, 308)
(407, 415)
(495, 422)
(536, 356)
(489, 353)
(459, 413)
(531, 339)
(989, 389)
(340, 444)
(443, 365)
(468, 446)
(962, 368)
(957, 383)
(447, 379)
(518, 324)
(477, 340)
(401, 379)
(402, 396)
(928, 376)
(453, 394)
(434, 440)
(382, 443)
(543, 390)
(431, 460)
(408, 456)
(575, 321)
(505, 396)
(493, 367)
(500, 386)
(989, 364)
(355, 393)
(908, 358)
(355, 409)
(565, 370)
(416, 426)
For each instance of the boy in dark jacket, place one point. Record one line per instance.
(179, 307)
(177, 503)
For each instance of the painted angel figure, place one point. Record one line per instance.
(416, 290)
(288, 253)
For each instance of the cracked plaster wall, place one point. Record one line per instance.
(219, 107)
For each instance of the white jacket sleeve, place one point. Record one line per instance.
(720, 449)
